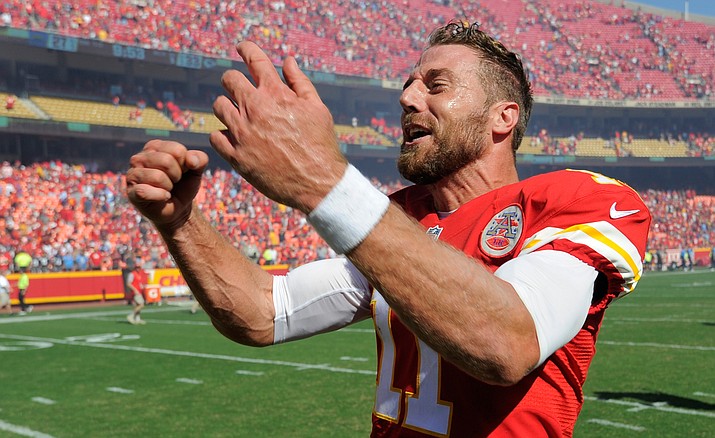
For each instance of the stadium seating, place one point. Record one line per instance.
(595, 147)
(98, 113)
(19, 109)
(610, 51)
(657, 148)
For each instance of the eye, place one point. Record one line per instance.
(437, 86)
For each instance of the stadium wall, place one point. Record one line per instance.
(86, 286)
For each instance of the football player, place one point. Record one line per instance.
(487, 292)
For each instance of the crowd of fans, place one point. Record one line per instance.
(582, 49)
(681, 219)
(68, 218)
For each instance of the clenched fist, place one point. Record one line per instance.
(163, 180)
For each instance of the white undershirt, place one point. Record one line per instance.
(326, 295)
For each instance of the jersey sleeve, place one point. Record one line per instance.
(597, 219)
(319, 297)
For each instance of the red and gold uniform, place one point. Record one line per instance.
(599, 220)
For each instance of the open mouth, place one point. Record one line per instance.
(414, 133)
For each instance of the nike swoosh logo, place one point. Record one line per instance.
(618, 214)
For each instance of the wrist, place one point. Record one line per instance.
(349, 212)
(184, 221)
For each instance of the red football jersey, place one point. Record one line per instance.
(600, 220)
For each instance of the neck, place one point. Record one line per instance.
(489, 172)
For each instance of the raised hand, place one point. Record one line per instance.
(280, 136)
(163, 180)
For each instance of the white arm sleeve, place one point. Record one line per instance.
(319, 297)
(556, 289)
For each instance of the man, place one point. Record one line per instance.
(135, 283)
(487, 293)
(5, 292)
(22, 262)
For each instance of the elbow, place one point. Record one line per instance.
(508, 375)
(507, 366)
(247, 337)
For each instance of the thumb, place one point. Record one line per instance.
(188, 186)
(196, 161)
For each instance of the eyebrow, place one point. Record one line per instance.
(431, 73)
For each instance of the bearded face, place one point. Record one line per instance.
(430, 152)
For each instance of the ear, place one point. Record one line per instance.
(505, 117)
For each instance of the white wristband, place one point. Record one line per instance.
(349, 212)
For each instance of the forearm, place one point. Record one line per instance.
(450, 301)
(235, 292)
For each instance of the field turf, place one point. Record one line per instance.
(88, 373)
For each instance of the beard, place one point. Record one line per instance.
(454, 145)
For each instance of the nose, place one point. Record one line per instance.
(412, 98)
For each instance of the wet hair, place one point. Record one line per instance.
(501, 72)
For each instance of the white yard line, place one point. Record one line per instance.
(120, 390)
(22, 430)
(354, 359)
(674, 320)
(43, 401)
(249, 373)
(296, 365)
(155, 321)
(617, 425)
(656, 345)
(656, 406)
(189, 381)
(16, 319)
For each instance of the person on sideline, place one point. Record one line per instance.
(23, 262)
(5, 293)
(135, 282)
(487, 292)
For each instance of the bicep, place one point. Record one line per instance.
(556, 289)
(318, 297)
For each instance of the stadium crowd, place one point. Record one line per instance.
(582, 49)
(69, 218)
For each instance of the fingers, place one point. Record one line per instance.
(259, 64)
(159, 166)
(264, 74)
(148, 185)
(226, 111)
(170, 157)
(237, 85)
(223, 144)
(297, 80)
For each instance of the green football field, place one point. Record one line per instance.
(88, 373)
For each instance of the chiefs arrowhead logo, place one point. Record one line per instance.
(503, 232)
